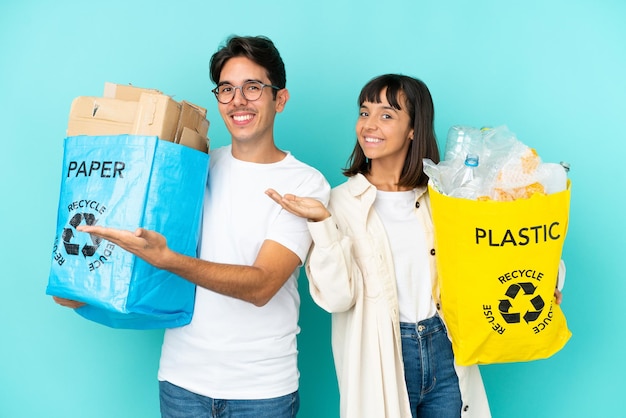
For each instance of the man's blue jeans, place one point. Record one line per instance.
(177, 402)
(431, 380)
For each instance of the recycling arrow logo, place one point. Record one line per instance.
(520, 303)
(75, 242)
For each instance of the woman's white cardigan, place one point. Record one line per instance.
(351, 275)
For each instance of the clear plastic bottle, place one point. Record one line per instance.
(465, 182)
(462, 140)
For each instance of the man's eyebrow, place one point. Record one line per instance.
(245, 81)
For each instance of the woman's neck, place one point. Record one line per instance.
(386, 181)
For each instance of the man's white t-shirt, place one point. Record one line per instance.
(233, 349)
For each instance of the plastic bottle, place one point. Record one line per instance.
(465, 183)
(462, 140)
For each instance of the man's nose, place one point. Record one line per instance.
(239, 98)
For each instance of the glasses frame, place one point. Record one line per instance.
(263, 85)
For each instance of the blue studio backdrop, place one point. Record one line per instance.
(553, 72)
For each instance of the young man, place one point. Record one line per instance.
(238, 356)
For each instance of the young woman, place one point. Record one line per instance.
(373, 267)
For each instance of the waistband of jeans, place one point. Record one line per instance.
(432, 324)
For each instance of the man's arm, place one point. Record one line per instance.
(256, 284)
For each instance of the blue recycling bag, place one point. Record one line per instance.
(125, 182)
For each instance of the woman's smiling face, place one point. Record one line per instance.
(383, 131)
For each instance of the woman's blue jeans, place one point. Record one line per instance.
(177, 402)
(431, 380)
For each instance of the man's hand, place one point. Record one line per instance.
(149, 245)
(145, 244)
(304, 207)
(68, 303)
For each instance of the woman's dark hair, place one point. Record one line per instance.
(419, 106)
(259, 49)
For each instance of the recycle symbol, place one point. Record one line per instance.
(88, 248)
(512, 293)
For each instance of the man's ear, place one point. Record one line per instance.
(282, 96)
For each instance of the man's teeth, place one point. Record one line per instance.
(242, 118)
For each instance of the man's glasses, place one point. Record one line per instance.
(250, 90)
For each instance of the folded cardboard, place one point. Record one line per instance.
(193, 127)
(137, 111)
(192, 139)
(125, 92)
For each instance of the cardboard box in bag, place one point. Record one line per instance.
(138, 111)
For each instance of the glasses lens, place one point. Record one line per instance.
(252, 90)
(225, 93)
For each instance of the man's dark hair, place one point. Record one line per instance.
(410, 93)
(259, 49)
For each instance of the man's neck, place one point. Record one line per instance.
(257, 153)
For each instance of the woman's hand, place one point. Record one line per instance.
(305, 207)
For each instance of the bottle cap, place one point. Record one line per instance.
(471, 160)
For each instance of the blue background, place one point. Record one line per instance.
(552, 71)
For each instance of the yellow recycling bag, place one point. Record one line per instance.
(498, 266)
